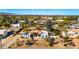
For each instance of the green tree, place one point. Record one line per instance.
(6, 24)
(24, 25)
(0, 24)
(66, 39)
(49, 25)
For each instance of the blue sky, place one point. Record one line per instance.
(42, 11)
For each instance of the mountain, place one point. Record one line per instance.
(3, 13)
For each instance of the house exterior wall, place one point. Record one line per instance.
(2, 32)
(15, 25)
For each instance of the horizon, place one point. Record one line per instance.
(41, 11)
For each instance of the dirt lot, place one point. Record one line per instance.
(39, 43)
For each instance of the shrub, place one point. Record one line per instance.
(78, 37)
(66, 39)
(19, 44)
(29, 42)
(51, 41)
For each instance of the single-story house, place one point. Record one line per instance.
(74, 26)
(44, 34)
(41, 33)
(15, 25)
(5, 33)
(63, 33)
(21, 21)
(73, 33)
(60, 20)
(42, 21)
(56, 37)
(26, 35)
(50, 18)
(2, 31)
(36, 33)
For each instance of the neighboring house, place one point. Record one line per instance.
(8, 33)
(73, 33)
(60, 20)
(56, 26)
(13, 29)
(42, 22)
(15, 25)
(50, 18)
(63, 33)
(36, 21)
(56, 37)
(74, 26)
(78, 19)
(2, 31)
(5, 33)
(21, 21)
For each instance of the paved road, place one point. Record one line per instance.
(11, 39)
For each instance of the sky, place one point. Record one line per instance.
(41, 11)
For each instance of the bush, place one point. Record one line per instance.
(65, 45)
(29, 42)
(51, 42)
(19, 44)
(61, 36)
(78, 37)
(46, 39)
(66, 39)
